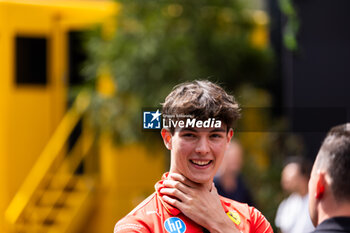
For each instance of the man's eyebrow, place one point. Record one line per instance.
(218, 130)
(211, 131)
(188, 129)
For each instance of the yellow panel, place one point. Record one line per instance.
(29, 131)
(142, 168)
(71, 13)
(29, 19)
(128, 175)
(58, 71)
(4, 96)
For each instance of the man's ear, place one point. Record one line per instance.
(320, 185)
(167, 136)
(229, 135)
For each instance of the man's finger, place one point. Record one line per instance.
(172, 192)
(172, 201)
(177, 185)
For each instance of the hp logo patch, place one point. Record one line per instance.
(174, 225)
(151, 120)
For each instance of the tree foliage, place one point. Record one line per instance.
(161, 43)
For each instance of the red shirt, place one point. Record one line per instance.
(154, 215)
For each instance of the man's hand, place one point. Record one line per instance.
(198, 203)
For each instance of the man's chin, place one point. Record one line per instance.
(200, 180)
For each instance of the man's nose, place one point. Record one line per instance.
(202, 146)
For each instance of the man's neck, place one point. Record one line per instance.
(303, 190)
(338, 210)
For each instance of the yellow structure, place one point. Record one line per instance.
(128, 179)
(38, 173)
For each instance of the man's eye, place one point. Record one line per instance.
(216, 136)
(189, 135)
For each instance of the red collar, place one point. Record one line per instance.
(171, 209)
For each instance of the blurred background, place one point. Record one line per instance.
(77, 74)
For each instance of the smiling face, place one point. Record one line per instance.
(197, 153)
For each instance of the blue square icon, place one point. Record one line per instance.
(151, 120)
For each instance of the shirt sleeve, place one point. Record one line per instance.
(259, 223)
(130, 224)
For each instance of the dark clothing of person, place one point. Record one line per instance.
(240, 194)
(334, 225)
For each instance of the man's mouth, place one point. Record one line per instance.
(200, 162)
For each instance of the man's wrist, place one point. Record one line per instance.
(225, 225)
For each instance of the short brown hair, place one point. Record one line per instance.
(201, 99)
(334, 155)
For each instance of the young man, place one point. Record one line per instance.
(199, 117)
(329, 185)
